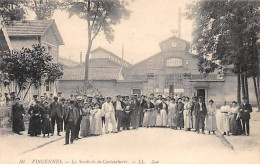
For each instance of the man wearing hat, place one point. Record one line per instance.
(56, 115)
(33, 101)
(119, 108)
(70, 120)
(200, 114)
(245, 110)
(17, 114)
(109, 111)
(50, 99)
(78, 104)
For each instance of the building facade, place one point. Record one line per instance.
(173, 71)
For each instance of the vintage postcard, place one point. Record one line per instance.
(129, 82)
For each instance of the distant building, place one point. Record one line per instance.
(173, 71)
(28, 32)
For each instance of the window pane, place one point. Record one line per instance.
(174, 62)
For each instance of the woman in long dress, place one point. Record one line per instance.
(180, 109)
(153, 114)
(163, 112)
(85, 122)
(96, 121)
(224, 119)
(148, 108)
(35, 119)
(46, 120)
(17, 117)
(211, 122)
(187, 114)
(171, 112)
(235, 123)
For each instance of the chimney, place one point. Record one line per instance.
(179, 24)
(80, 57)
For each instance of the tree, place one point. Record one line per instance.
(100, 15)
(11, 10)
(29, 67)
(228, 31)
(43, 9)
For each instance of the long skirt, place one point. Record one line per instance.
(146, 118)
(135, 119)
(85, 127)
(224, 123)
(34, 126)
(46, 124)
(211, 123)
(174, 119)
(126, 120)
(158, 120)
(170, 118)
(180, 120)
(96, 126)
(163, 114)
(235, 125)
(18, 124)
(187, 119)
(152, 118)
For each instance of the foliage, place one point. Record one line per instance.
(44, 9)
(29, 67)
(100, 15)
(227, 30)
(11, 10)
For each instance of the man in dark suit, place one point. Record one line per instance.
(78, 104)
(70, 120)
(245, 110)
(56, 115)
(200, 112)
(119, 108)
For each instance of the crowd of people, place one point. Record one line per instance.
(83, 116)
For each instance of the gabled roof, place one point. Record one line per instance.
(173, 37)
(157, 54)
(67, 62)
(95, 73)
(111, 53)
(33, 28)
(3, 41)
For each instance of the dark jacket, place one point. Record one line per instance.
(197, 110)
(161, 107)
(136, 106)
(150, 107)
(245, 115)
(122, 105)
(56, 109)
(74, 111)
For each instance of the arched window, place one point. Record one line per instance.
(174, 62)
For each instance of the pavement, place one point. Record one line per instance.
(145, 145)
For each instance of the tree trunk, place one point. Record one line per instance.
(246, 88)
(238, 89)
(86, 80)
(27, 90)
(243, 85)
(256, 93)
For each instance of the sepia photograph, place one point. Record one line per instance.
(103, 82)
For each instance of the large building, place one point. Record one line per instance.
(172, 71)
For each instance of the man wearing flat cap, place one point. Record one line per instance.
(119, 108)
(70, 120)
(56, 115)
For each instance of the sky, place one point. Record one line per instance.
(150, 22)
